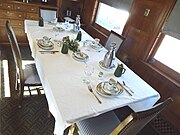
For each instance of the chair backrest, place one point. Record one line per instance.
(114, 38)
(48, 15)
(16, 53)
(136, 121)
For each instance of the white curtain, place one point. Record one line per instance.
(172, 26)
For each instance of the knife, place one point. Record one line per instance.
(124, 89)
(48, 52)
(128, 87)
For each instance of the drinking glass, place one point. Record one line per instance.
(66, 23)
(88, 70)
(56, 33)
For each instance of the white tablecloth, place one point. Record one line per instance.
(68, 97)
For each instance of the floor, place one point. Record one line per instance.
(33, 118)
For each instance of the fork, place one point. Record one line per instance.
(90, 89)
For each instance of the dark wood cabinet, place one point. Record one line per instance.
(16, 12)
(74, 6)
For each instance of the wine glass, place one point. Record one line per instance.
(88, 70)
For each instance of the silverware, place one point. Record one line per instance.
(47, 52)
(128, 87)
(124, 89)
(90, 89)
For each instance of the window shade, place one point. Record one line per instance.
(172, 26)
(119, 4)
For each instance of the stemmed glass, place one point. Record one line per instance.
(88, 70)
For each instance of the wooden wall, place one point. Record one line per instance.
(140, 33)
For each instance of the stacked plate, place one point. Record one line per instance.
(92, 44)
(107, 90)
(80, 56)
(47, 46)
(96, 46)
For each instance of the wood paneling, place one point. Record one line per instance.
(141, 32)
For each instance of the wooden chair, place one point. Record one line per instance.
(24, 77)
(109, 124)
(114, 38)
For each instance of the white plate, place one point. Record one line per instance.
(80, 55)
(110, 89)
(43, 46)
(96, 47)
(101, 64)
(41, 43)
(101, 92)
(81, 60)
(93, 45)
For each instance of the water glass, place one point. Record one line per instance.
(88, 70)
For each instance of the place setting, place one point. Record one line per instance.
(46, 45)
(109, 88)
(80, 56)
(93, 44)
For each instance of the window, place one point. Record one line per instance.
(165, 58)
(111, 18)
(169, 53)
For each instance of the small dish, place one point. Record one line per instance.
(101, 92)
(101, 64)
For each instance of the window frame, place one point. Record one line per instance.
(97, 26)
(165, 70)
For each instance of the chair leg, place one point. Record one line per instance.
(71, 129)
(38, 91)
(49, 114)
(21, 98)
(29, 91)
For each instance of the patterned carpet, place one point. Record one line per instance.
(33, 118)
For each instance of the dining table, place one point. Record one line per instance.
(62, 77)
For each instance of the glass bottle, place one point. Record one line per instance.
(78, 24)
(79, 35)
(65, 47)
(41, 22)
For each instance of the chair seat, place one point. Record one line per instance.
(100, 125)
(31, 76)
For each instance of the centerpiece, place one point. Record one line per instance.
(72, 44)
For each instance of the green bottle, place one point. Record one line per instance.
(41, 22)
(65, 47)
(79, 35)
